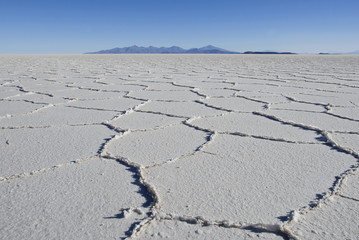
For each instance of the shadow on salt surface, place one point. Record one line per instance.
(131, 213)
(312, 204)
(321, 139)
(277, 234)
(137, 181)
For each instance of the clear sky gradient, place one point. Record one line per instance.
(78, 26)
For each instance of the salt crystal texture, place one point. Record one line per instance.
(179, 146)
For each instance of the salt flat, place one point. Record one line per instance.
(179, 147)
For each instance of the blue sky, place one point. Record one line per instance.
(77, 26)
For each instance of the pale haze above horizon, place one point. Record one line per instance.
(72, 27)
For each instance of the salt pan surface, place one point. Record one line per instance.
(179, 147)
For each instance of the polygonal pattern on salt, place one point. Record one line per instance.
(13, 108)
(185, 109)
(86, 195)
(157, 145)
(47, 147)
(236, 171)
(179, 146)
(58, 116)
(318, 120)
(144, 120)
(236, 123)
(343, 214)
(235, 104)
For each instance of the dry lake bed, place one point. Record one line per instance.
(179, 147)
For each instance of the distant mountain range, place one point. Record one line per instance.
(267, 52)
(203, 50)
(173, 49)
